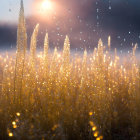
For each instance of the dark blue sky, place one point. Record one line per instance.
(85, 21)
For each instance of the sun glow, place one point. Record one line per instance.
(46, 5)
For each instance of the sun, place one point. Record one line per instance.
(46, 5)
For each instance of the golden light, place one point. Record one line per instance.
(10, 134)
(94, 128)
(15, 126)
(96, 134)
(46, 5)
(90, 113)
(14, 123)
(18, 114)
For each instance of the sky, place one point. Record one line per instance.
(85, 21)
(9, 9)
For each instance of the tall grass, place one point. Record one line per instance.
(57, 95)
(61, 97)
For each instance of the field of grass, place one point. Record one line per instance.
(59, 96)
(56, 96)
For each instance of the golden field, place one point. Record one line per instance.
(59, 96)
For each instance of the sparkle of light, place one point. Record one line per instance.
(18, 114)
(10, 134)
